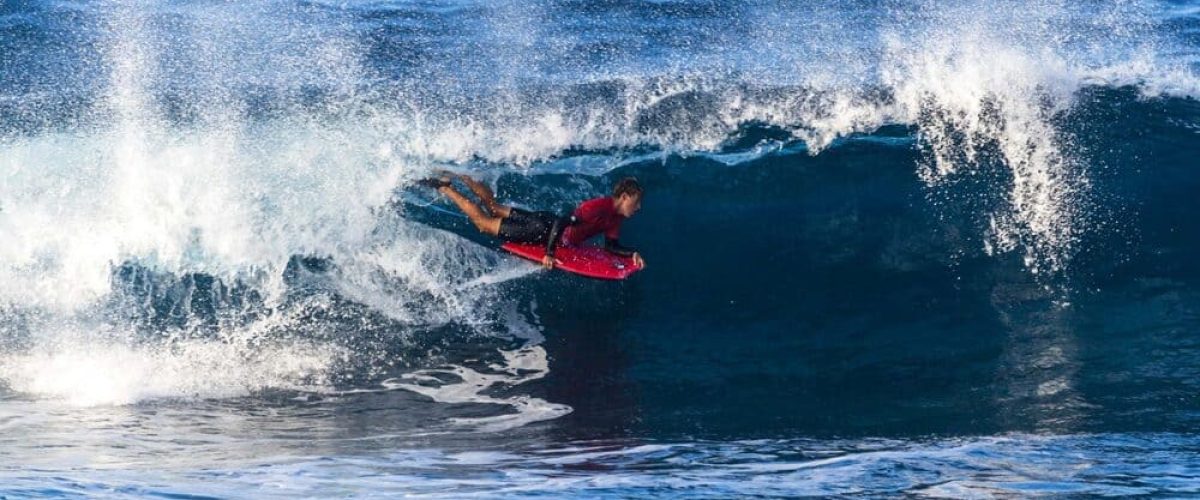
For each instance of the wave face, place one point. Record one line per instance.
(869, 219)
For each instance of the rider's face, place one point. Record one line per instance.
(628, 204)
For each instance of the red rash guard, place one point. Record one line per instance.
(595, 216)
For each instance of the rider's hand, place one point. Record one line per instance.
(637, 261)
(548, 262)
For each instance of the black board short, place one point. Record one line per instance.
(522, 226)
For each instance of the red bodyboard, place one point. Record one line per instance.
(593, 262)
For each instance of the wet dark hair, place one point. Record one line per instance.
(629, 186)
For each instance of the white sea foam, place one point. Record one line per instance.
(82, 370)
(223, 195)
(520, 366)
(972, 91)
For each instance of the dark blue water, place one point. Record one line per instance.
(893, 248)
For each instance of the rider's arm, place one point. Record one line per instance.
(614, 246)
(560, 225)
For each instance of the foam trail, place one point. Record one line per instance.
(515, 271)
(520, 366)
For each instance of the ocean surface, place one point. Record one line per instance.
(894, 248)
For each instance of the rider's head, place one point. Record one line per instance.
(627, 196)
